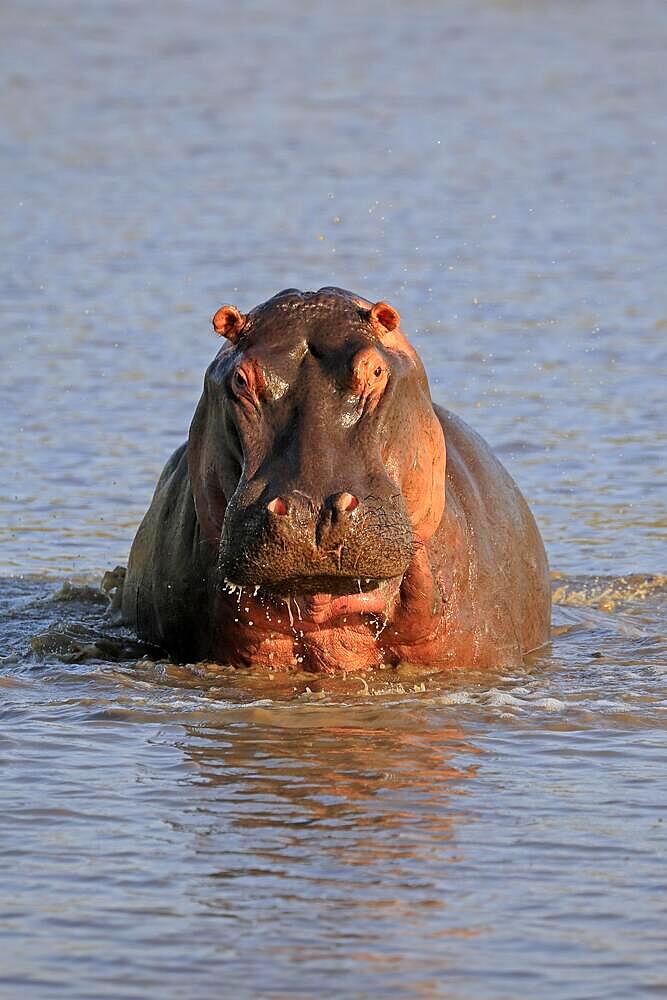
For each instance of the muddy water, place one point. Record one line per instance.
(495, 170)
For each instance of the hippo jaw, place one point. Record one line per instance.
(320, 602)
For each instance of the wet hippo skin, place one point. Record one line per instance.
(325, 515)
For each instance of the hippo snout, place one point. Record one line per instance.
(294, 543)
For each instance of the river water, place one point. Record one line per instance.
(497, 172)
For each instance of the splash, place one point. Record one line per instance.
(605, 592)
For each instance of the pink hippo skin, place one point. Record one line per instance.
(324, 515)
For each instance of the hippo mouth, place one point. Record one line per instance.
(281, 575)
(320, 600)
(316, 586)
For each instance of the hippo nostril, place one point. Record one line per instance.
(277, 506)
(345, 503)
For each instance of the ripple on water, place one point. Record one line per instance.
(176, 817)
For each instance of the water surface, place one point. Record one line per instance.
(496, 171)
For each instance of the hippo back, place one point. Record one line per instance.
(504, 580)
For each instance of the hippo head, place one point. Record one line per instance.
(316, 459)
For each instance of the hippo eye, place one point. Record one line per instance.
(377, 372)
(239, 379)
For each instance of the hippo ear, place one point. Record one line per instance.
(385, 316)
(228, 322)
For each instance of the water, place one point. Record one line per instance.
(496, 171)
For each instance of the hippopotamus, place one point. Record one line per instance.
(325, 515)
